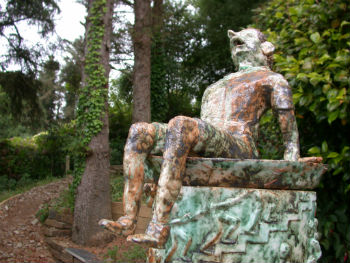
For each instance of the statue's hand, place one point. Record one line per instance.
(311, 159)
(292, 152)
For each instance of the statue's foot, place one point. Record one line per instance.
(144, 239)
(156, 235)
(124, 225)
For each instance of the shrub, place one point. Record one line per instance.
(312, 52)
(25, 159)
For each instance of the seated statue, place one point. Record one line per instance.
(228, 128)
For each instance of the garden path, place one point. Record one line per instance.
(21, 237)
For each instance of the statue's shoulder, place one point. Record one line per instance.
(278, 79)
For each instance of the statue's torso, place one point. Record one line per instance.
(236, 102)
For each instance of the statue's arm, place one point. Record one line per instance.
(290, 134)
(282, 104)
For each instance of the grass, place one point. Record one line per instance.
(6, 194)
(135, 254)
(117, 188)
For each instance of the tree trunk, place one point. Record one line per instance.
(93, 194)
(157, 16)
(159, 93)
(142, 66)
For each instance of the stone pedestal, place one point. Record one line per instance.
(215, 224)
(245, 224)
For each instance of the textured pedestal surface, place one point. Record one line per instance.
(261, 174)
(215, 224)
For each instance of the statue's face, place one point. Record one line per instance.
(245, 45)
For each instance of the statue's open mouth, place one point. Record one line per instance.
(238, 42)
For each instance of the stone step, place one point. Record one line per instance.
(81, 255)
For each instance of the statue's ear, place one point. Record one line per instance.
(231, 34)
(267, 48)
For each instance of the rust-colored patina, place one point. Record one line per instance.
(228, 128)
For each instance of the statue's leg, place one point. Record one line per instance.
(185, 134)
(142, 139)
(181, 135)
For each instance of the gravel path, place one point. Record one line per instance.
(21, 238)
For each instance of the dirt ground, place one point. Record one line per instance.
(21, 234)
(21, 238)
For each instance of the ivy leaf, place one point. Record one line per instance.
(344, 23)
(315, 37)
(314, 150)
(332, 116)
(324, 147)
(278, 15)
(332, 155)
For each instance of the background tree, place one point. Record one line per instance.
(70, 77)
(32, 103)
(159, 94)
(91, 170)
(22, 87)
(34, 12)
(142, 61)
(50, 94)
(21, 91)
(312, 41)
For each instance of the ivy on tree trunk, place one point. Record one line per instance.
(91, 173)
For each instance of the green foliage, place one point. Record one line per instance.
(112, 254)
(65, 200)
(172, 90)
(159, 93)
(70, 77)
(27, 160)
(135, 253)
(43, 213)
(270, 143)
(49, 93)
(10, 126)
(119, 118)
(117, 186)
(29, 104)
(21, 90)
(122, 87)
(312, 52)
(63, 203)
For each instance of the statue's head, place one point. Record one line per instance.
(250, 47)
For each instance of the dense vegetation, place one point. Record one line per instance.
(312, 41)
(23, 160)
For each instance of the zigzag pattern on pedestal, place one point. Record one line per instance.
(262, 236)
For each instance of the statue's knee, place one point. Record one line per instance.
(141, 137)
(180, 122)
(141, 129)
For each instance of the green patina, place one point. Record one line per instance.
(270, 174)
(242, 225)
(93, 95)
